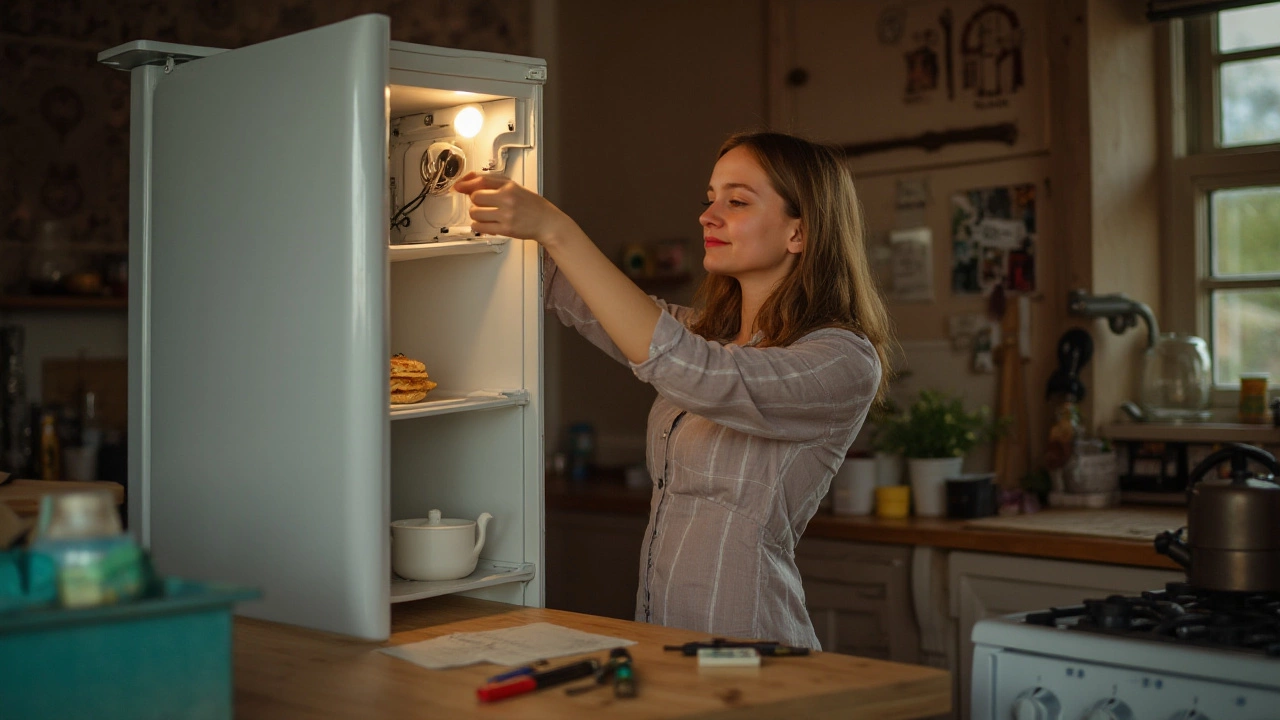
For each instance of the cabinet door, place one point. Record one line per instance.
(265, 361)
(593, 562)
(859, 598)
(984, 586)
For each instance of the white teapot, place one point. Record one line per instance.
(436, 548)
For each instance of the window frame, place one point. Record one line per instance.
(1195, 166)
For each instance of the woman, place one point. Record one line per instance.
(761, 390)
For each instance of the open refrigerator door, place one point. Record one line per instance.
(271, 290)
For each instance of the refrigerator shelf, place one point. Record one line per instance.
(443, 404)
(488, 572)
(486, 243)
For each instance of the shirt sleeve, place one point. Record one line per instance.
(573, 312)
(826, 380)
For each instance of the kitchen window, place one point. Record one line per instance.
(1222, 199)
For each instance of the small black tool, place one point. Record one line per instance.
(770, 649)
(618, 667)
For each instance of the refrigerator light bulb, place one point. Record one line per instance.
(468, 121)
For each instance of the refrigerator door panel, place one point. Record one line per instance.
(268, 339)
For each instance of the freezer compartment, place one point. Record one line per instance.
(464, 465)
(435, 138)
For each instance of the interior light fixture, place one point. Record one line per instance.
(468, 121)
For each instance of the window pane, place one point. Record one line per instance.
(1245, 335)
(1246, 230)
(1249, 28)
(1251, 102)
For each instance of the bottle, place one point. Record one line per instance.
(582, 448)
(15, 417)
(50, 448)
(97, 563)
(1253, 397)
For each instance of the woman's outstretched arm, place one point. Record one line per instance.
(500, 206)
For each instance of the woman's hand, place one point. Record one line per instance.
(500, 206)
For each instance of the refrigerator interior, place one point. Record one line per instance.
(467, 306)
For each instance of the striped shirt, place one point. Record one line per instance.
(742, 444)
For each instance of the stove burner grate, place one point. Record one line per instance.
(1181, 613)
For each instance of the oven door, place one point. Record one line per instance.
(1078, 675)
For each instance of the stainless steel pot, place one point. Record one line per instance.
(1233, 526)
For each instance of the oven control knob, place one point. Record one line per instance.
(1036, 704)
(1112, 709)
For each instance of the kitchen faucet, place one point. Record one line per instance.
(1121, 312)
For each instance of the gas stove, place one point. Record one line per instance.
(1178, 653)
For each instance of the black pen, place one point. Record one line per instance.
(537, 681)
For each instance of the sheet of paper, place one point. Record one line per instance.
(508, 646)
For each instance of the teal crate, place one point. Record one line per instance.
(165, 656)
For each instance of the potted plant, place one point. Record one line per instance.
(934, 433)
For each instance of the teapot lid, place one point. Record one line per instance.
(433, 521)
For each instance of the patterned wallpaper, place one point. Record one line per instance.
(64, 118)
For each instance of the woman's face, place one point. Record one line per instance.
(745, 228)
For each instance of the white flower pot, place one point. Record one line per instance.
(853, 488)
(929, 483)
(888, 469)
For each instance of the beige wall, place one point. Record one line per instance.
(1088, 145)
(644, 94)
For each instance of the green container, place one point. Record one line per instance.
(164, 656)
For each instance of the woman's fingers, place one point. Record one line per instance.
(474, 181)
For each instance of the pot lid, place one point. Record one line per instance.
(433, 521)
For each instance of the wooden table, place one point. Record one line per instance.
(287, 672)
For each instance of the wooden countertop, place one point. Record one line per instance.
(287, 672)
(609, 496)
(23, 496)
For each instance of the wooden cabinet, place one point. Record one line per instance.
(593, 562)
(859, 598)
(984, 585)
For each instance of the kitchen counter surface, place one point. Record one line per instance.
(287, 672)
(607, 496)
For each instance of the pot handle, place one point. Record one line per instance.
(1239, 454)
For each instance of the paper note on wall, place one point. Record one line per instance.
(912, 262)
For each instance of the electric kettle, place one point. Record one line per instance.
(1233, 525)
(1177, 379)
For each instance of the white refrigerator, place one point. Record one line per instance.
(269, 289)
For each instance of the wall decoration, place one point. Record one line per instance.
(993, 239)
(991, 45)
(912, 263)
(890, 25)
(944, 21)
(922, 65)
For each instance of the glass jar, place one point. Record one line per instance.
(1177, 379)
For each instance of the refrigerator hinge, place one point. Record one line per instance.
(536, 73)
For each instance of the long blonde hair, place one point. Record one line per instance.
(832, 284)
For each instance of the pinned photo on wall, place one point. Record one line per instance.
(912, 263)
(993, 239)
